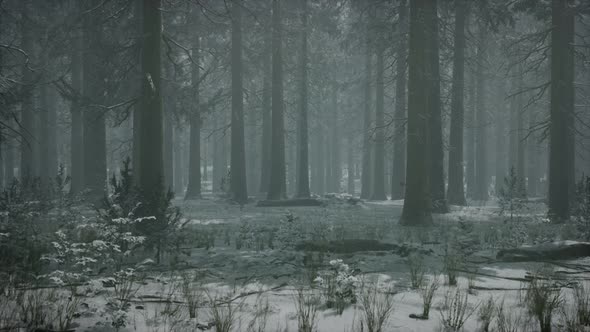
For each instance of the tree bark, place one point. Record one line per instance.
(470, 138)
(456, 192)
(76, 152)
(561, 109)
(193, 190)
(302, 132)
(238, 150)
(266, 116)
(350, 165)
(399, 144)
(366, 176)
(277, 186)
(417, 203)
(151, 131)
(378, 187)
(481, 172)
(437, 169)
(27, 104)
(94, 133)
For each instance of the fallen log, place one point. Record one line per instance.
(348, 246)
(549, 251)
(290, 202)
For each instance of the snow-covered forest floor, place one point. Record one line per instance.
(249, 268)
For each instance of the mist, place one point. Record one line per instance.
(294, 165)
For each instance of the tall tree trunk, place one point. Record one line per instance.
(151, 131)
(8, 159)
(77, 153)
(94, 133)
(399, 144)
(350, 165)
(302, 132)
(378, 192)
(456, 192)
(178, 160)
(481, 172)
(238, 150)
(320, 171)
(437, 169)
(266, 116)
(277, 186)
(366, 176)
(520, 135)
(561, 109)
(136, 136)
(44, 134)
(27, 105)
(417, 203)
(470, 138)
(168, 146)
(500, 124)
(193, 189)
(219, 153)
(533, 159)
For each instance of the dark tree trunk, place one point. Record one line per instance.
(399, 144)
(238, 150)
(45, 105)
(136, 149)
(94, 133)
(470, 131)
(76, 152)
(532, 160)
(178, 160)
(302, 132)
(27, 105)
(219, 153)
(277, 188)
(366, 176)
(151, 131)
(350, 165)
(193, 189)
(561, 109)
(168, 149)
(417, 203)
(335, 169)
(500, 124)
(320, 171)
(378, 187)
(437, 169)
(8, 159)
(520, 144)
(481, 172)
(456, 192)
(266, 116)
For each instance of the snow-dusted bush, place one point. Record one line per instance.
(452, 261)
(511, 197)
(291, 231)
(158, 220)
(29, 211)
(377, 307)
(223, 312)
(125, 285)
(427, 292)
(455, 310)
(339, 285)
(415, 263)
(508, 321)
(542, 300)
(191, 291)
(306, 306)
(485, 314)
